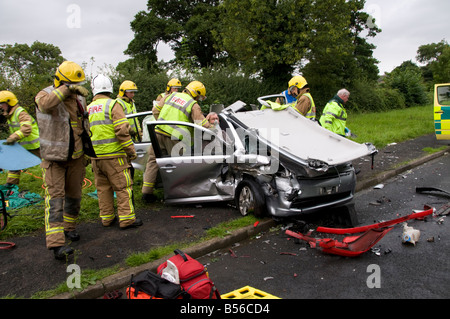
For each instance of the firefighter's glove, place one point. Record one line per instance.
(132, 156)
(78, 89)
(9, 141)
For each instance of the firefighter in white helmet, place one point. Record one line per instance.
(114, 151)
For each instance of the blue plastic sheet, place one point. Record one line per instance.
(15, 157)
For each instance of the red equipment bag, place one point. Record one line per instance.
(192, 276)
(148, 285)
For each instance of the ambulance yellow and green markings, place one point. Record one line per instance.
(442, 111)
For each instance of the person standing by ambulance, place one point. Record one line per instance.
(60, 113)
(23, 129)
(114, 151)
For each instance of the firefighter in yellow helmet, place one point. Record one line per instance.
(22, 127)
(174, 85)
(178, 106)
(62, 119)
(304, 102)
(127, 90)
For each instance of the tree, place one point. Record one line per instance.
(407, 79)
(339, 56)
(27, 69)
(321, 39)
(186, 25)
(436, 57)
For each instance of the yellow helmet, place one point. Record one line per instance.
(298, 81)
(197, 89)
(127, 86)
(69, 72)
(8, 97)
(173, 83)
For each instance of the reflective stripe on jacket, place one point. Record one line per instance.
(129, 108)
(334, 117)
(177, 107)
(30, 142)
(103, 137)
(312, 110)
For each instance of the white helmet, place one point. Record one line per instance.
(101, 84)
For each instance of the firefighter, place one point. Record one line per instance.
(178, 106)
(23, 129)
(127, 90)
(61, 115)
(334, 115)
(174, 85)
(114, 151)
(304, 103)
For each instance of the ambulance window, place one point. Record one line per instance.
(443, 93)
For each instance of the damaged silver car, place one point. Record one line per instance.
(268, 162)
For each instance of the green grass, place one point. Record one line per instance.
(393, 126)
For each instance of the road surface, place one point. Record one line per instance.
(279, 265)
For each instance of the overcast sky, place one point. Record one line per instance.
(101, 29)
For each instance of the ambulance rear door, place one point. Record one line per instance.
(442, 111)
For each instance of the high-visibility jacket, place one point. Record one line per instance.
(130, 108)
(103, 137)
(312, 110)
(279, 107)
(30, 142)
(334, 116)
(177, 107)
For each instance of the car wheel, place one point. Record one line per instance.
(250, 199)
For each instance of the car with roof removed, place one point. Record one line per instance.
(275, 163)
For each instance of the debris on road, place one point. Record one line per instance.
(352, 246)
(416, 215)
(410, 234)
(422, 190)
(182, 216)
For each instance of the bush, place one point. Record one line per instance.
(391, 98)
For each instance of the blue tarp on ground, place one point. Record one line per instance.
(15, 157)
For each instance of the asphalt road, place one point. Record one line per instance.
(287, 268)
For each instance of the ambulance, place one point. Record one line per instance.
(442, 111)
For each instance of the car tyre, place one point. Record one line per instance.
(250, 199)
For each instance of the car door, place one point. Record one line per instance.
(196, 169)
(442, 111)
(142, 142)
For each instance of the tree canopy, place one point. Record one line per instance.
(271, 39)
